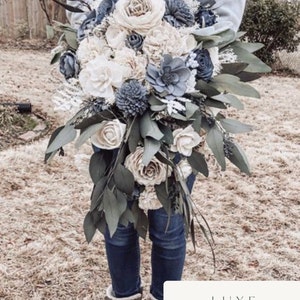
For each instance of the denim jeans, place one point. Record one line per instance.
(167, 255)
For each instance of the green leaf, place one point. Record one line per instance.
(55, 58)
(163, 196)
(239, 158)
(167, 132)
(71, 39)
(86, 134)
(98, 164)
(50, 155)
(134, 136)
(95, 119)
(229, 99)
(231, 84)
(149, 128)
(88, 227)
(235, 126)
(127, 217)
(140, 220)
(113, 210)
(214, 140)
(198, 162)
(191, 108)
(151, 147)
(124, 179)
(65, 135)
(250, 47)
(255, 65)
(97, 194)
(233, 68)
(206, 88)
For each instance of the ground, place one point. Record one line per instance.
(254, 220)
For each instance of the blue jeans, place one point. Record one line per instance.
(167, 256)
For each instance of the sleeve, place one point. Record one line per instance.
(230, 12)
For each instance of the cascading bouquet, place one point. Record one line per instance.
(151, 80)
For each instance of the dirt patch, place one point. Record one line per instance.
(255, 220)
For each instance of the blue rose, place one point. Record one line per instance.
(204, 63)
(205, 17)
(68, 65)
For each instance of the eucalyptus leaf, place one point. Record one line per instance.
(134, 136)
(151, 147)
(235, 126)
(86, 134)
(89, 227)
(198, 162)
(168, 134)
(95, 119)
(142, 224)
(71, 39)
(124, 179)
(229, 99)
(239, 158)
(97, 194)
(98, 165)
(50, 155)
(49, 32)
(55, 58)
(214, 140)
(65, 135)
(249, 47)
(112, 210)
(126, 217)
(255, 65)
(191, 108)
(231, 84)
(163, 196)
(233, 68)
(149, 128)
(206, 88)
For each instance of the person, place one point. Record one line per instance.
(168, 246)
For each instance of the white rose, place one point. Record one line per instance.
(185, 140)
(116, 36)
(110, 135)
(154, 173)
(135, 63)
(139, 15)
(167, 39)
(100, 76)
(148, 199)
(90, 48)
(184, 168)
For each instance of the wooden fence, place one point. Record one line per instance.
(26, 19)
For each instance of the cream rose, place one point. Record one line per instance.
(148, 199)
(185, 140)
(154, 173)
(167, 39)
(90, 48)
(139, 15)
(184, 168)
(110, 135)
(100, 76)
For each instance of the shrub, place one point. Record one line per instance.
(275, 23)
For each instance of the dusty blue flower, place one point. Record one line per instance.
(178, 13)
(104, 9)
(205, 66)
(68, 65)
(171, 78)
(205, 17)
(86, 25)
(132, 98)
(134, 41)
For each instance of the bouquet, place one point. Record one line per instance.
(151, 81)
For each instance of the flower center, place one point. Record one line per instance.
(168, 77)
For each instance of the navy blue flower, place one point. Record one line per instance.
(205, 17)
(178, 13)
(68, 65)
(134, 41)
(132, 98)
(204, 63)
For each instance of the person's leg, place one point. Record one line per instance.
(168, 249)
(123, 255)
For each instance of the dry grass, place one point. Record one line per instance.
(255, 220)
